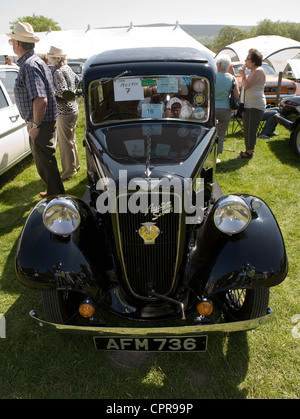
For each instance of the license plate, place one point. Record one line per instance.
(161, 344)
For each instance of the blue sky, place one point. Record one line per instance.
(72, 14)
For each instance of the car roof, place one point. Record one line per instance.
(157, 60)
(9, 67)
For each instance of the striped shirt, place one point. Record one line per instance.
(34, 80)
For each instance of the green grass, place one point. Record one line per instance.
(264, 363)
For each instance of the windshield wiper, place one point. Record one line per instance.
(125, 73)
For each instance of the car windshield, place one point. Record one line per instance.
(157, 97)
(155, 141)
(268, 70)
(76, 68)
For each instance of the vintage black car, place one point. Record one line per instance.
(153, 257)
(289, 117)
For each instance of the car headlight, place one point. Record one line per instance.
(232, 215)
(61, 216)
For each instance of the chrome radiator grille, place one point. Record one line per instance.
(150, 266)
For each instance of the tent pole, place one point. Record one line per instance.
(278, 88)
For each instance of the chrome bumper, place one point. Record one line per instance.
(158, 331)
(285, 122)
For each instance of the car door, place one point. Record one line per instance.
(14, 139)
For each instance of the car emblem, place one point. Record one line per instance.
(149, 232)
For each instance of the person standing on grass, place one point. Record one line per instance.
(224, 81)
(35, 99)
(254, 99)
(65, 80)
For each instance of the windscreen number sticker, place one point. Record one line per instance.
(129, 89)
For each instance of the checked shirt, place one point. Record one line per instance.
(34, 79)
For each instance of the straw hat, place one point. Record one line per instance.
(23, 32)
(56, 52)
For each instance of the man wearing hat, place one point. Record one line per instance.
(34, 93)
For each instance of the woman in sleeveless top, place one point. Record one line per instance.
(254, 99)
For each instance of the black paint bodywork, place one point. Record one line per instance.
(289, 116)
(208, 262)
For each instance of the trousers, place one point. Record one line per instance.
(66, 138)
(251, 120)
(43, 152)
(223, 115)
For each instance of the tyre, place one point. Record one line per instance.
(295, 140)
(244, 304)
(60, 306)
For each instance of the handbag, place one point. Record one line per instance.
(234, 103)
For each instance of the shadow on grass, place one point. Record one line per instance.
(231, 165)
(15, 170)
(284, 153)
(20, 202)
(45, 364)
(41, 364)
(38, 363)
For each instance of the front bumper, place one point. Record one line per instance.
(285, 122)
(193, 330)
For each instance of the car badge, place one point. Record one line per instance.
(149, 232)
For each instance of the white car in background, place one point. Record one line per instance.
(14, 139)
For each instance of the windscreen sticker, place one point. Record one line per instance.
(167, 85)
(199, 86)
(162, 150)
(186, 80)
(135, 148)
(148, 82)
(152, 110)
(129, 89)
(199, 98)
(199, 113)
(153, 129)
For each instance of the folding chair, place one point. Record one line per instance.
(236, 124)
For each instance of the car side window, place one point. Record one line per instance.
(3, 100)
(8, 78)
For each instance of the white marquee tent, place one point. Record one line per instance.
(277, 49)
(85, 43)
(295, 66)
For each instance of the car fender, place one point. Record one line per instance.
(76, 262)
(254, 257)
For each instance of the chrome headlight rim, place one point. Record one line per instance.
(61, 216)
(232, 214)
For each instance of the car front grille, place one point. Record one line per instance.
(149, 248)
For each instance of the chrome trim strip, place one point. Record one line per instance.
(158, 331)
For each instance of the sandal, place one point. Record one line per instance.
(245, 155)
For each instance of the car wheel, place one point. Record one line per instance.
(295, 140)
(244, 304)
(60, 306)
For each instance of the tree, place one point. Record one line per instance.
(285, 29)
(39, 23)
(227, 35)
